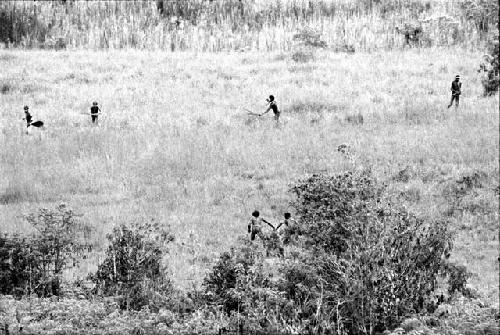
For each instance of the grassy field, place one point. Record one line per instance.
(176, 145)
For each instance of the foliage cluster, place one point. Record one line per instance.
(132, 270)
(35, 263)
(490, 67)
(483, 13)
(80, 317)
(353, 264)
(306, 40)
(356, 264)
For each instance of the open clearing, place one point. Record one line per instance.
(175, 144)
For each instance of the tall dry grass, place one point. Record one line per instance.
(225, 25)
(175, 143)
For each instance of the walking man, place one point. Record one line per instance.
(255, 226)
(274, 107)
(94, 112)
(27, 116)
(456, 90)
(29, 121)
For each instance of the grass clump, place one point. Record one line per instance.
(490, 67)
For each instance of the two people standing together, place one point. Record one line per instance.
(274, 241)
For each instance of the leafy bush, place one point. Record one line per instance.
(490, 67)
(412, 33)
(306, 41)
(376, 262)
(484, 13)
(354, 118)
(15, 263)
(310, 38)
(34, 263)
(222, 280)
(458, 276)
(132, 271)
(303, 55)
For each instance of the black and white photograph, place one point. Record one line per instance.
(249, 167)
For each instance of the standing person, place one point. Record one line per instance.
(29, 120)
(456, 90)
(255, 226)
(274, 107)
(27, 116)
(287, 222)
(289, 227)
(94, 112)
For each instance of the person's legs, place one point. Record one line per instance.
(260, 234)
(451, 101)
(457, 101)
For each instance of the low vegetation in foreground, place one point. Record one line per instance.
(351, 263)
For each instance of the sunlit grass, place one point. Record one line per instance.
(175, 143)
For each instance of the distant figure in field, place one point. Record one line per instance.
(255, 226)
(29, 120)
(94, 112)
(456, 90)
(274, 107)
(27, 116)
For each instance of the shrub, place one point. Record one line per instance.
(483, 13)
(5, 88)
(310, 38)
(303, 55)
(354, 118)
(490, 67)
(458, 276)
(132, 271)
(344, 47)
(412, 33)
(15, 263)
(376, 263)
(220, 283)
(306, 41)
(34, 264)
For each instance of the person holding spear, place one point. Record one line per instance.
(274, 107)
(29, 120)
